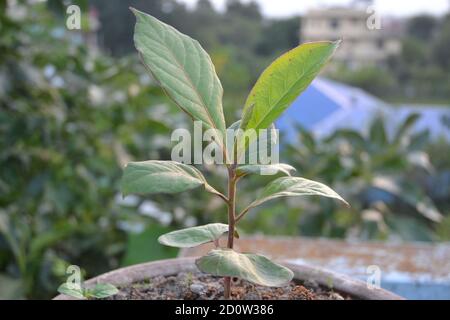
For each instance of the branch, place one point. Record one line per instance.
(239, 217)
(222, 196)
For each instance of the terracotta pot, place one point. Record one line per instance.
(341, 283)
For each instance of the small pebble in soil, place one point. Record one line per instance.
(199, 286)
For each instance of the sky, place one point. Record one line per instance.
(402, 8)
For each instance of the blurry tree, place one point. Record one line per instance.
(117, 21)
(391, 182)
(377, 81)
(279, 35)
(413, 52)
(441, 48)
(241, 41)
(250, 10)
(69, 120)
(422, 27)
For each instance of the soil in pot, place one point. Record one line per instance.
(199, 286)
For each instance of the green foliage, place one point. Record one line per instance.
(182, 68)
(99, 291)
(240, 40)
(422, 27)
(377, 81)
(72, 291)
(251, 267)
(64, 134)
(386, 177)
(71, 119)
(265, 168)
(280, 35)
(185, 72)
(282, 82)
(293, 187)
(441, 48)
(143, 246)
(161, 177)
(195, 236)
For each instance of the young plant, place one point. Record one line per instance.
(185, 72)
(99, 291)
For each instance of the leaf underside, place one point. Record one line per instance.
(71, 290)
(251, 267)
(265, 169)
(192, 237)
(294, 186)
(103, 290)
(148, 177)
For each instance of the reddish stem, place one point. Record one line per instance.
(231, 221)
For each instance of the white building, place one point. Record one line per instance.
(362, 43)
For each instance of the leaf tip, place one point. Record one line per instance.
(291, 275)
(161, 240)
(346, 203)
(134, 10)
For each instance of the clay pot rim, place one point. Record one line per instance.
(342, 283)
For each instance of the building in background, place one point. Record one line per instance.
(361, 45)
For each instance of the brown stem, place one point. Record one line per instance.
(239, 216)
(231, 220)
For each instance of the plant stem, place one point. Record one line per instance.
(231, 220)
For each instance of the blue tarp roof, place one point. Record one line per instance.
(327, 105)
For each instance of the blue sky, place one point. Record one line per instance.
(283, 8)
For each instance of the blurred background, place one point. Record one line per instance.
(75, 105)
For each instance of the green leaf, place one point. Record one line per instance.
(147, 177)
(377, 134)
(265, 169)
(103, 290)
(292, 187)
(70, 289)
(306, 138)
(251, 267)
(355, 139)
(411, 194)
(406, 126)
(191, 237)
(182, 68)
(246, 117)
(282, 82)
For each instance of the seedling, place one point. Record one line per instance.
(99, 291)
(185, 72)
